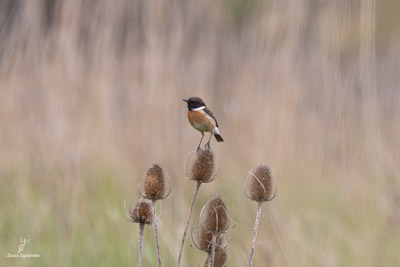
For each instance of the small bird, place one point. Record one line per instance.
(202, 119)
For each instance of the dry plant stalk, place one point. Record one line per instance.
(261, 190)
(202, 172)
(187, 222)
(253, 243)
(142, 213)
(141, 231)
(212, 254)
(155, 189)
(156, 233)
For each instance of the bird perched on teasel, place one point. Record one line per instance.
(202, 119)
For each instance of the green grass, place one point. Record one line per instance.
(318, 221)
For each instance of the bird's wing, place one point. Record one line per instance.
(209, 113)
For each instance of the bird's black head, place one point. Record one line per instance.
(194, 102)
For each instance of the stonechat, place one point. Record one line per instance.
(202, 119)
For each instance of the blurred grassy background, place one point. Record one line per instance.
(90, 96)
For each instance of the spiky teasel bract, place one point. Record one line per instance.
(261, 184)
(141, 213)
(203, 167)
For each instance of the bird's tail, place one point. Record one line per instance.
(219, 138)
(217, 135)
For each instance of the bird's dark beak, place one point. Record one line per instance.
(185, 100)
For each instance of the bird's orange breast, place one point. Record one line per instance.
(201, 121)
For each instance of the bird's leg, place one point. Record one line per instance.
(198, 148)
(208, 143)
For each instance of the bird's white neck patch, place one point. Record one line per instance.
(200, 108)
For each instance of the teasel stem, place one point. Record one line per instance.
(141, 230)
(156, 232)
(253, 246)
(188, 221)
(213, 243)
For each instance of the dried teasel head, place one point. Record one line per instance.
(261, 185)
(205, 240)
(221, 254)
(203, 167)
(220, 257)
(142, 212)
(214, 217)
(155, 183)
